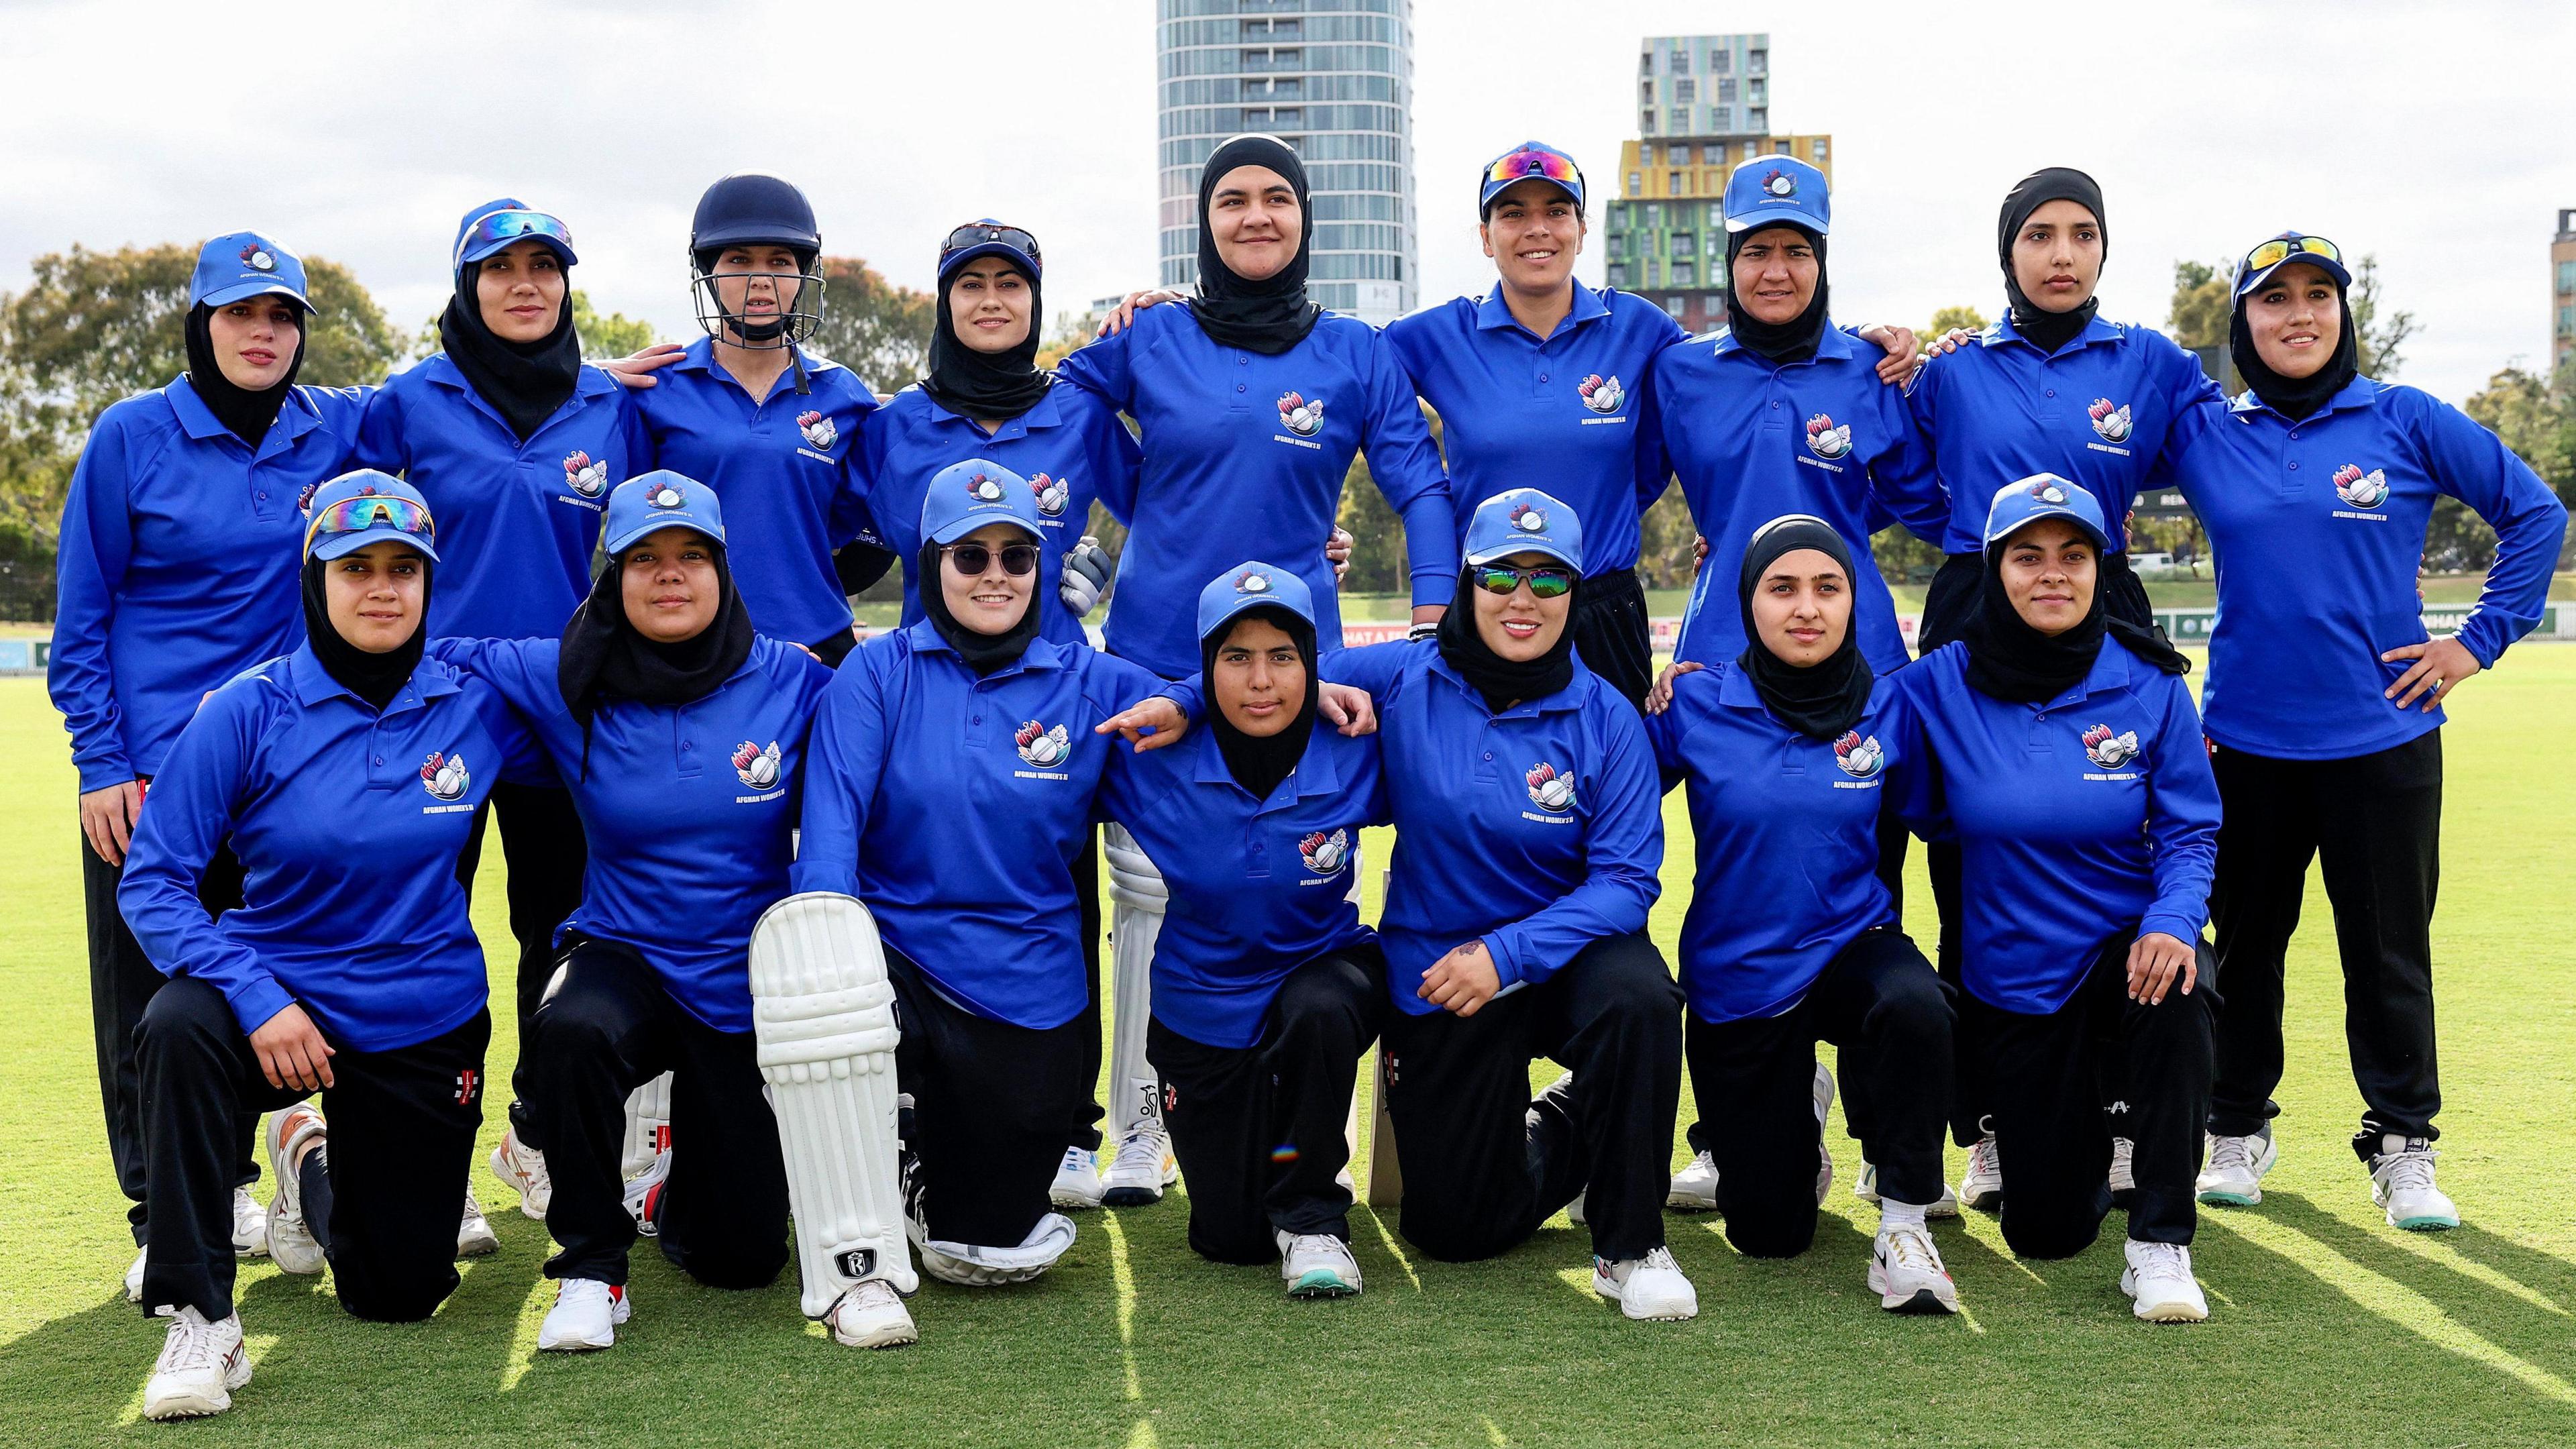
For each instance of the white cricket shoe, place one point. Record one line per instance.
(1905, 1272)
(1983, 1186)
(2123, 1178)
(250, 1225)
(1077, 1180)
(1574, 1211)
(134, 1270)
(585, 1316)
(2158, 1280)
(1694, 1188)
(2234, 1176)
(201, 1364)
(522, 1169)
(643, 1195)
(1647, 1288)
(1141, 1170)
(474, 1235)
(1865, 1187)
(871, 1315)
(1824, 1094)
(2401, 1181)
(290, 1240)
(1318, 1265)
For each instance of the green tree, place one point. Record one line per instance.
(871, 326)
(1967, 319)
(2537, 419)
(2377, 333)
(1378, 564)
(2203, 301)
(615, 335)
(1665, 536)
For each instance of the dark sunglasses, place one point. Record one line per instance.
(985, 233)
(1547, 582)
(970, 559)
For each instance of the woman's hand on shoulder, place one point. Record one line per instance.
(1123, 315)
(637, 370)
(1347, 708)
(1148, 726)
(1660, 698)
(1903, 356)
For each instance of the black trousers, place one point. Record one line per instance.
(1880, 1002)
(1612, 634)
(1259, 1129)
(1485, 1164)
(2051, 1127)
(542, 842)
(402, 1138)
(122, 981)
(2375, 823)
(992, 1105)
(606, 1026)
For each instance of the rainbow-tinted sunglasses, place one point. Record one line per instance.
(1528, 160)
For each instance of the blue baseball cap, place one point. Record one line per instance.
(657, 500)
(496, 225)
(2044, 495)
(244, 264)
(1252, 586)
(2290, 246)
(1778, 191)
(364, 507)
(1528, 161)
(965, 496)
(1524, 520)
(985, 237)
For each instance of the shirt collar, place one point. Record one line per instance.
(1040, 654)
(313, 684)
(700, 356)
(590, 382)
(1833, 344)
(2361, 392)
(1569, 698)
(2112, 669)
(1317, 771)
(1494, 312)
(1042, 414)
(2095, 330)
(296, 414)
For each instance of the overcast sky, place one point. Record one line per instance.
(2437, 137)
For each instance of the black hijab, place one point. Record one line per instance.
(604, 657)
(983, 653)
(1819, 700)
(1271, 315)
(1259, 762)
(1791, 341)
(991, 386)
(1500, 680)
(246, 415)
(2011, 661)
(2049, 330)
(375, 678)
(523, 381)
(2296, 398)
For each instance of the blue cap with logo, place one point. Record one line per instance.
(245, 264)
(657, 500)
(1252, 586)
(364, 507)
(496, 225)
(1778, 191)
(2291, 246)
(1530, 161)
(2044, 495)
(965, 496)
(1524, 520)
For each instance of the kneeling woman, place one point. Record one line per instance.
(1528, 837)
(680, 736)
(1791, 938)
(1265, 984)
(2073, 775)
(345, 776)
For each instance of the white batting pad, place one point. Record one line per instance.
(971, 1266)
(648, 1126)
(1137, 898)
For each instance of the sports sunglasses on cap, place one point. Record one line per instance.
(970, 559)
(1531, 161)
(1545, 582)
(500, 228)
(2281, 248)
(988, 233)
(368, 511)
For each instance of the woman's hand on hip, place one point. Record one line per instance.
(2440, 665)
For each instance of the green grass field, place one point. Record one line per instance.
(2328, 1327)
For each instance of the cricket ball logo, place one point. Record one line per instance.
(818, 430)
(1326, 854)
(1600, 395)
(1859, 758)
(1052, 494)
(2048, 493)
(1779, 185)
(2108, 750)
(1045, 748)
(666, 495)
(1299, 416)
(1252, 581)
(1525, 519)
(984, 488)
(1826, 440)
(757, 767)
(1549, 790)
(444, 776)
(2361, 490)
(584, 476)
(2112, 423)
(258, 258)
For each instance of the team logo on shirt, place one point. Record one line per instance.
(1043, 747)
(1052, 494)
(818, 430)
(1549, 790)
(1326, 854)
(583, 476)
(1528, 519)
(984, 488)
(2108, 750)
(2361, 490)
(257, 258)
(1826, 440)
(1779, 184)
(1600, 394)
(1299, 416)
(758, 767)
(1859, 758)
(444, 776)
(2112, 423)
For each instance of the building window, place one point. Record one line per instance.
(1618, 276)
(1675, 306)
(1753, 91)
(1757, 61)
(1646, 91)
(1636, 183)
(1720, 60)
(1685, 91)
(1818, 147)
(1672, 183)
(1726, 89)
(1654, 215)
(2567, 275)
(1779, 148)
(1681, 61)
(1722, 117)
(1757, 119)
(1684, 275)
(1645, 123)
(1645, 62)
(1680, 118)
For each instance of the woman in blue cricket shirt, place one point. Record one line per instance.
(951, 783)
(346, 776)
(2059, 747)
(176, 572)
(1791, 938)
(681, 736)
(1266, 987)
(1528, 833)
(2324, 699)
